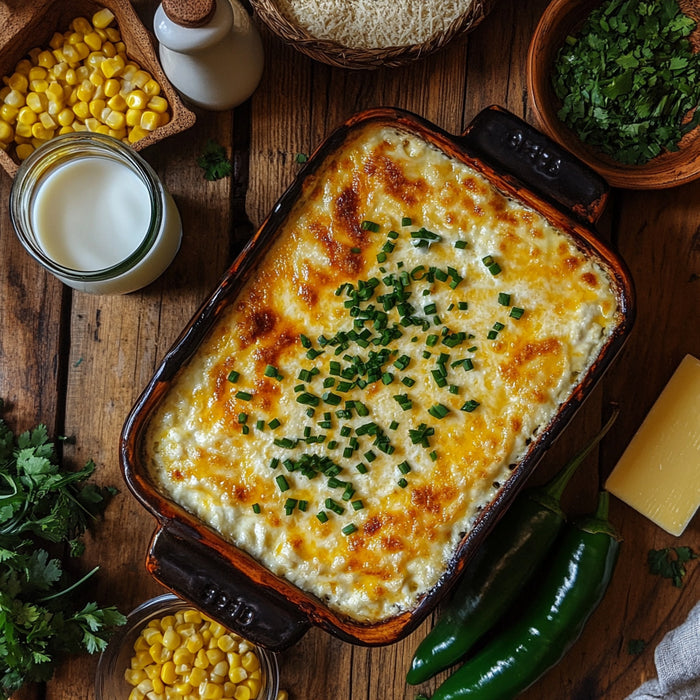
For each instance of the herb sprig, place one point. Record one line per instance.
(670, 562)
(42, 505)
(214, 161)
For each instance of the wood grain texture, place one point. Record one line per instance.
(78, 362)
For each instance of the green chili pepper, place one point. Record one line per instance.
(575, 582)
(507, 559)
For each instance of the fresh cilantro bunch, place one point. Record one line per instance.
(629, 80)
(43, 505)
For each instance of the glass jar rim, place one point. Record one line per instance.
(66, 148)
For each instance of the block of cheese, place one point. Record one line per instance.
(659, 472)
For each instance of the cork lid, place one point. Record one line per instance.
(189, 13)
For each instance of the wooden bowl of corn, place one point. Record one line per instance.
(81, 66)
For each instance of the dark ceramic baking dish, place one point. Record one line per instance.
(225, 582)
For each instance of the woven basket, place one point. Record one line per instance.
(340, 56)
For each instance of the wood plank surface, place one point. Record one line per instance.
(78, 362)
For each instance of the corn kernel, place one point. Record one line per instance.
(7, 133)
(15, 99)
(201, 660)
(93, 40)
(8, 113)
(18, 81)
(215, 655)
(237, 674)
(56, 41)
(96, 108)
(112, 66)
(102, 18)
(111, 87)
(47, 121)
(85, 91)
(37, 102)
(157, 104)
(137, 99)
(96, 78)
(254, 684)
(26, 115)
(158, 685)
(55, 92)
(212, 691)
(37, 73)
(250, 661)
(109, 49)
(151, 88)
(81, 25)
(182, 689)
(197, 676)
(171, 639)
(152, 635)
(282, 695)
(24, 150)
(150, 121)
(242, 693)
(113, 34)
(66, 129)
(167, 673)
(136, 694)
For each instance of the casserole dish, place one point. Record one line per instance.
(362, 586)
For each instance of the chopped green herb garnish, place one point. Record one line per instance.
(370, 226)
(244, 395)
(516, 312)
(233, 376)
(349, 529)
(470, 406)
(406, 221)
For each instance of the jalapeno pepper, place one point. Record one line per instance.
(575, 581)
(505, 562)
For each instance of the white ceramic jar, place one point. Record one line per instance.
(92, 212)
(216, 65)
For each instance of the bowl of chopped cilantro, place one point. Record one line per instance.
(617, 82)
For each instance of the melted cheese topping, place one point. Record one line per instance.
(407, 364)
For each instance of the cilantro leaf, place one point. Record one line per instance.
(669, 563)
(214, 161)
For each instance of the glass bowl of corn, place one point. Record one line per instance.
(169, 650)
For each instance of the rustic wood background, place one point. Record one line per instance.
(77, 362)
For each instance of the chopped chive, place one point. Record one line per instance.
(460, 244)
(274, 423)
(433, 455)
(260, 424)
(282, 483)
(463, 305)
(492, 335)
(308, 399)
(361, 468)
(517, 312)
(498, 326)
(370, 456)
(402, 483)
(244, 395)
(242, 418)
(303, 505)
(357, 505)
(370, 226)
(349, 529)
(431, 340)
(271, 371)
(356, 251)
(256, 508)
(393, 425)
(404, 467)
(335, 507)
(406, 221)
(274, 463)
(321, 515)
(438, 411)
(301, 158)
(504, 299)
(233, 376)
(470, 405)
(305, 341)
(393, 235)
(289, 505)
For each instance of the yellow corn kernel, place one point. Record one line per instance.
(37, 101)
(118, 103)
(81, 110)
(197, 676)
(39, 85)
(134, 676)
(137, 99)
(282, 695)
(95, 60)
(237, 674)
(158, 685)
(182, 689)
(182, 655)
(111, 87)
(212, 691)
(56, 41)
(7, 133)
(74, 38)
(67, 129)
(194, 643)
(37, 73)
(233, 658)
(109, 49)
(85, 91)
(215, 655)
(81, 25)
(23, 130)
(167, 673)
(46, 59)
(18, 81)
(140, 78)
(136, 694)
(24, 150)
(201, 660)
(171, 639)
(55, 92)
(157, 104)
(8, 113)
(47, 121)
(15, 99)
(96, 108)
(113, 34)
(242, 693)
(220, 669)
(254, 684)
(112, 66)
(70, 53)
(4, 92)
(96, 78)
(26, 115)
(93, 40)
(226, 643)
(151, 88)
(119, 134)
(102, 18)
(250, 661)
(152, 635)
(71, 77)
(83, 73)
(58, 72)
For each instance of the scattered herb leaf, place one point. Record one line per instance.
(214, 161)
(635, 647)
(670, 563)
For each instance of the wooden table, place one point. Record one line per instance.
(77, 362)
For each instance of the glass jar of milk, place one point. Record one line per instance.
(92, 211)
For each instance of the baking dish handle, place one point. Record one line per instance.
(510, 145)
(198, 574)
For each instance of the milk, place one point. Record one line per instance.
(94, 213)
(91, 214)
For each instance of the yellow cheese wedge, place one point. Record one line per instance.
(659, 472)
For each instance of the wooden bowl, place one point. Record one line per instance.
(340, 56)
(564, 17)
(31, 23)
